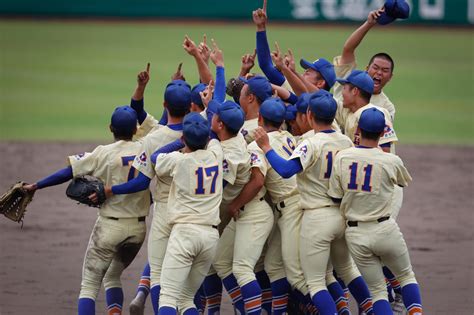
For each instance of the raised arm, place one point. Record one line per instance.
(351, 44)
(296, 83)
(204, 73)
(137, 102)
(259, 17)
(248, 61)
(217, 58)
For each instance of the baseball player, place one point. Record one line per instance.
(120, 228)
(380, 67)
(281, 260)
(193, 213)
(356, 94)
(322, 227)
(177, 103)
(363, 180)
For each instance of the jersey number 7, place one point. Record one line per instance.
(204, 174)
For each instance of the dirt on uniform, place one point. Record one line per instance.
(41, 263)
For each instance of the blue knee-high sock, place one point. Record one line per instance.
(361, 294)
(412, 298)
(393, 281)
(155, 297)
(144, 284)
(343, 286)
(324, 303)
(198, 301)
(114, 299)
(165, 310)
(191, 311)
(86, 306)
(233, 288)
(265, 286)
(382, 307)
(213, 293)
(280, 290)
(252, 295)
(339, 298)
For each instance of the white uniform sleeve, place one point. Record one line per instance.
(342, 71)
(389, 134)
(335, 187)
(403, 178)
(305, 153)
(86, 163)
(215, 147)
(166, 163)
(146, 126)
(142, 160)
(257, 159)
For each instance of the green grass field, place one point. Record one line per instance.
(62, 80)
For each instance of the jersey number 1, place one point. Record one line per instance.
(353, 181)
(127, 161)
(207, 172)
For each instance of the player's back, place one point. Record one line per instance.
(278, 187)
(196, 189)
(236, 166)
(367, 176)
(156, 139)
(313, 182)
(112, 164)
(248, 129)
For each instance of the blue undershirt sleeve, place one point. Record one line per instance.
(57, 178)
(167, 148)
(139, 183)
(265, 60)
(219, 90)
(286, 168)
(138, 106)
(292, 99)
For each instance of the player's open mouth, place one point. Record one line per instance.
(377, 81)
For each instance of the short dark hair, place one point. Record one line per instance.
(365, 95)
(122, 135)
(385, 56)
(177, 112)
(233, 88)
(370, 135)
(322, 121)
(271, 123)
(194, 147)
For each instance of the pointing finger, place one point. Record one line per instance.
(204, 39)
(148, 68)
(254, 53)
(277, 47)
(265, 6)
(179, 66)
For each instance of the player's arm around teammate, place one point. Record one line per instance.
(322, 227)
(120, 228)
(193, 212)
(363, 178)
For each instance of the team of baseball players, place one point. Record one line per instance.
(286, 196)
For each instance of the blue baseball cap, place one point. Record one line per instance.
(394, 9)
(195, 130)
(231, 115)
(324, 67)
(360, 79)
(124, 119)
(323, 105)
(372, 120)
(290, 112)
(260, 86)
(195, 96)
(302, 103)
(178, 94)
(273, 109)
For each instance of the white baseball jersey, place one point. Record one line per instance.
(111, 163)
(159, 137)
(278, 187)
(350, 123)
(235, 167)
(147, 126)
(248, 129)
(196, 189)
(365, 178)
(316, 155)
(343, 70)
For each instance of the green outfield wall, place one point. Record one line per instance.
(453, 12)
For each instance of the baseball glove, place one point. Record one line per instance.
(82, 187)
(13, 203)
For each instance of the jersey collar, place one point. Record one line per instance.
(176, 127)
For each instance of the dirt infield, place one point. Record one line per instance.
(41, 264)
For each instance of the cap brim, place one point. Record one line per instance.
(306, 64)
(342, 81)
(244, 80)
